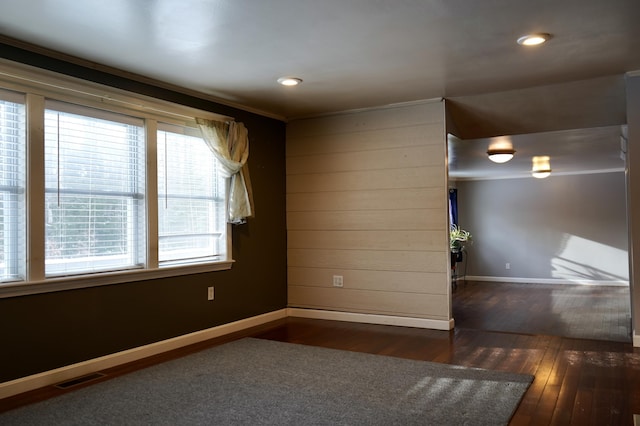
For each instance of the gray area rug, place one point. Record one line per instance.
(262, 382)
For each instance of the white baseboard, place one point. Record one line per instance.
(47, 378)
(371, 318)
(520, 280)
(58, 375)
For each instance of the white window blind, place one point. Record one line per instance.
(191, 198)
(94, 190)
(12, 187)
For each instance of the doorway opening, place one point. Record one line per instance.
(549, 256)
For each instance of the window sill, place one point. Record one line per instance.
(96, 280)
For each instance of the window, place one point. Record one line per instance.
(191, 201)
(99, 186)
(94, 191)
(12, 187)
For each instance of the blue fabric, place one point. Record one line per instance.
(453, 206)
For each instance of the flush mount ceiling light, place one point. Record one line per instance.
(533, 39)
(541, 167)
(501, 150)
(500, 155)
(289, 81)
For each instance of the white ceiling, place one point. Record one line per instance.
(356, 54)
(593, 150)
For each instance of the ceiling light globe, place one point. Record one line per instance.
(541, 174)
(500, 153)
(500, 157)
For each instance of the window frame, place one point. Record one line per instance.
(18, 186)
(39, 85)
(132, 193)
(219, 188)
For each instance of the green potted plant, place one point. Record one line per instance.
(458, 238)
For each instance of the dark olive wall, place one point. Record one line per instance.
(51, 330)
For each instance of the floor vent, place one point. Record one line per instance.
(79, 380)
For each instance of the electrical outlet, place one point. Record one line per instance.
(507, 265)
(338, 281)
(210, 293)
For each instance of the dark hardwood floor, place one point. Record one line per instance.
(578, 381)
(581, 311)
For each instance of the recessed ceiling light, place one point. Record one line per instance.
(289, 81)
(534, 39)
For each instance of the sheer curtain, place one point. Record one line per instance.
(230, 144)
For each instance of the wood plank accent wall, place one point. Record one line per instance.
(367, 200)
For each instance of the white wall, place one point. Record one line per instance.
(366, 200)
(559, 229)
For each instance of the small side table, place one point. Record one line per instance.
(458, 266)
